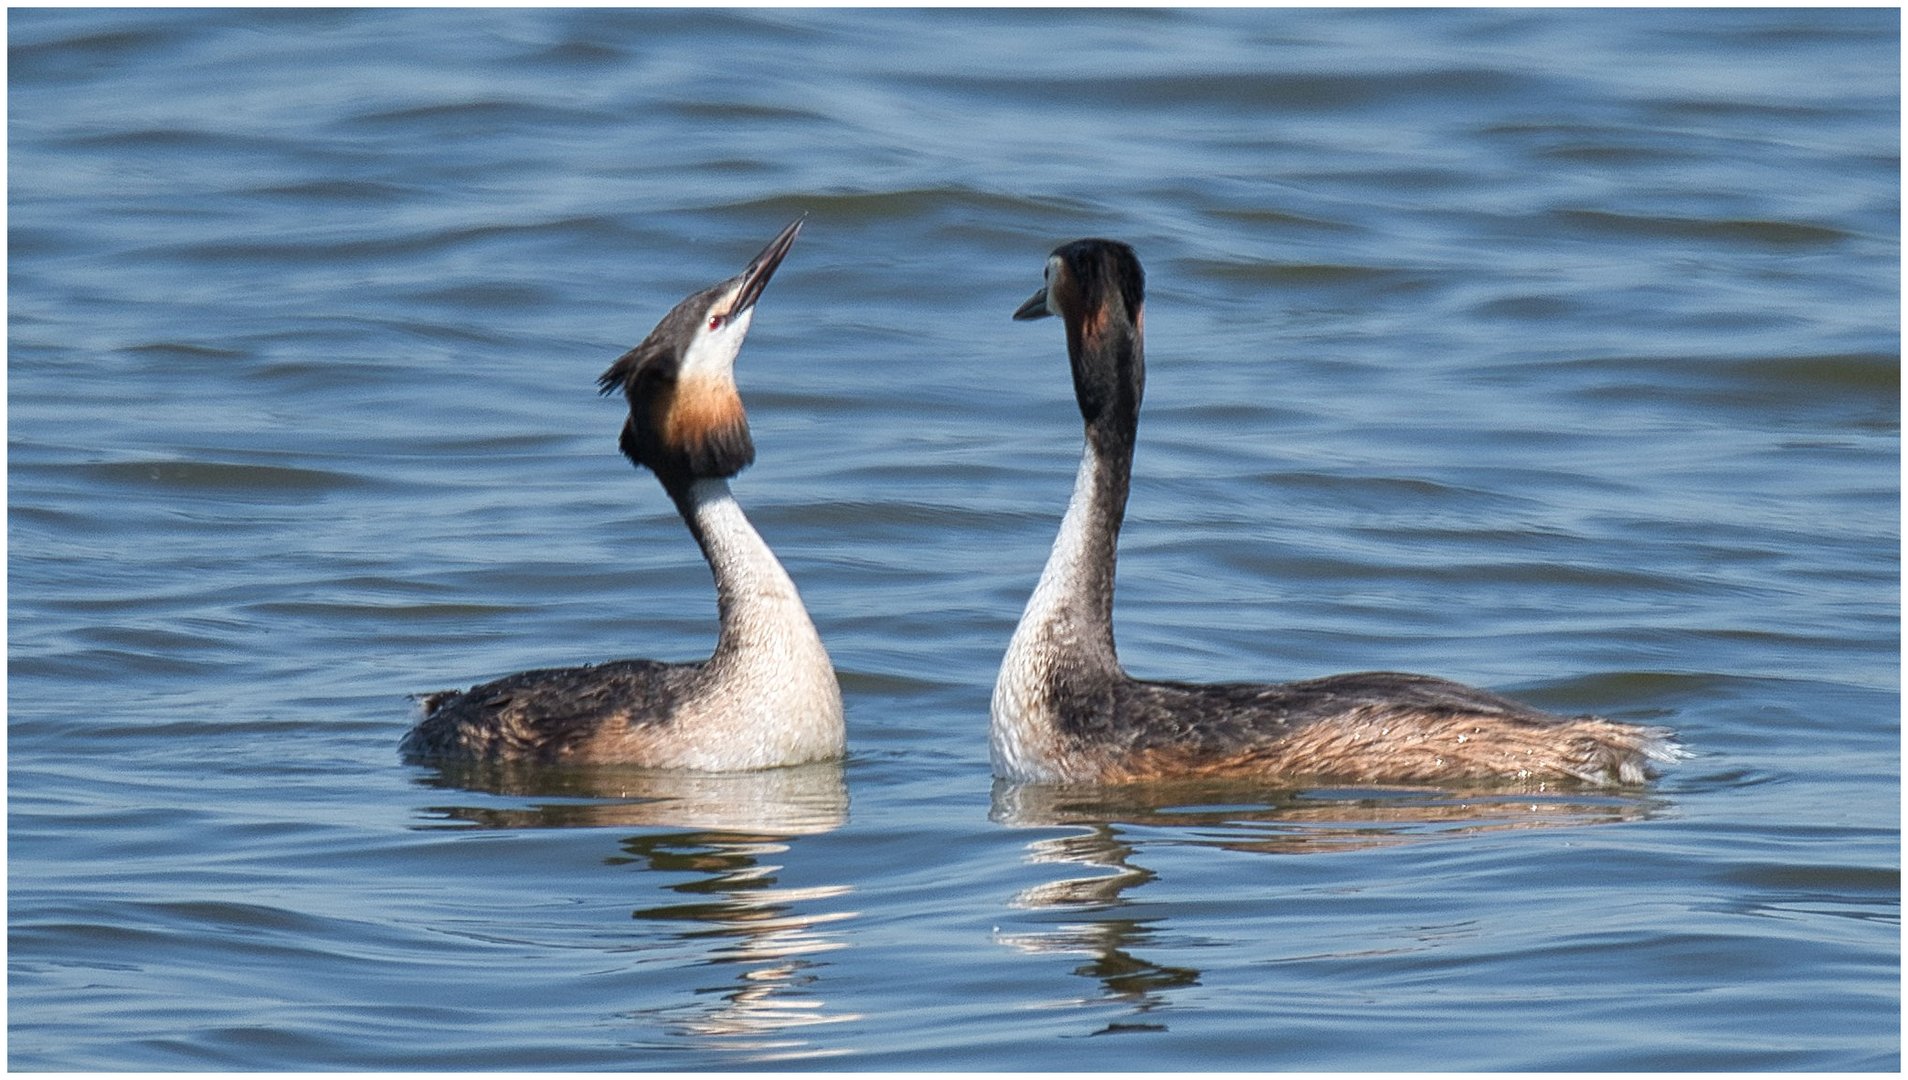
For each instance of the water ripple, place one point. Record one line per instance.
(1472, 350)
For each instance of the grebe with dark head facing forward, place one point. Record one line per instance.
(1064, 710)
(768, 696)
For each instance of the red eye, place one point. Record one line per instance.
(715, 322)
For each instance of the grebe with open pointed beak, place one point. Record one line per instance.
(768, 696)
(1065, 711)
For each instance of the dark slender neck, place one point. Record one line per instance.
(1106, 474)
(1072, 607)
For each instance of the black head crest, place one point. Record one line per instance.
(1099, 290)
(680, 427)
(641, 366)
(1101, 271)
(686, 420)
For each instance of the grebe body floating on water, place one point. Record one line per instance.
(768, 696)
(1065, 711)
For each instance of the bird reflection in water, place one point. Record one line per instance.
(731, 834)
(1116, 824)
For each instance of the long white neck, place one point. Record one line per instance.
(755, 599)
(1065, 636)
(770, 671)
(1072, 606)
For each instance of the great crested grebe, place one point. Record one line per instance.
(1065, 711)
(768, 696)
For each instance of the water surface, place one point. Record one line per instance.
(1553, 352)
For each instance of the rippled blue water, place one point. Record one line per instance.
(1556, 352)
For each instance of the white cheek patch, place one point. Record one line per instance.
(1053, 269)
(713, 352)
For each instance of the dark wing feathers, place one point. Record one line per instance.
(549, 713)
(1192, 716)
